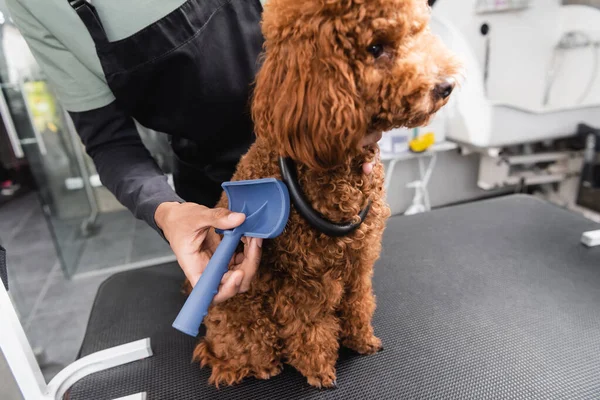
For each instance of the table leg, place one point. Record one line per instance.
(390, 174)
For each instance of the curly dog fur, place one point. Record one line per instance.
(333, 71)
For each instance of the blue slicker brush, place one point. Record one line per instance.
(266, 204)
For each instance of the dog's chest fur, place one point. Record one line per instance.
(302, 253)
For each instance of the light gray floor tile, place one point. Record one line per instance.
(32, 265)
(121, 222)
(33, 231)
(68, 296)
(8, 387)
(13, 212)
(105, 252)
(60, 336)
(24, 296)
(148, 244)
(10, 222)
(142, 226)
(71, 254)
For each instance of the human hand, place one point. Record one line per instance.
(187, 227)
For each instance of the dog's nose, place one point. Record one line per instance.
(444, 89)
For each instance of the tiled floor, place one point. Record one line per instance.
(119, 239)
(8, 386)
(53, 309)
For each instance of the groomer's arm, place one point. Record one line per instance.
(128, 170)
(61, 45)
(123, 163)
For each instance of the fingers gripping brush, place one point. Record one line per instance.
(266, 204)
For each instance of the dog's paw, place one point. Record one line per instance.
(268, 373)
(202, 355)
(225, 375)
(325, 379)
(370, 345)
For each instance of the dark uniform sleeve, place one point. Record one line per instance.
(123, 163)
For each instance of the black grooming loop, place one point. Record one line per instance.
(290, 177)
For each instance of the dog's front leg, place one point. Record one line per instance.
(356, 312)
(310, 334)
(313, 350)
(240, 341)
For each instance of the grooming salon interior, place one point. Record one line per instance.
(487, 283)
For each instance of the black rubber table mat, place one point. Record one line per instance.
(492, 300)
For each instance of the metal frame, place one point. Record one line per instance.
(28, 375)
(39, 140)
(396, 158)
(90, 221)
(10, 125)
(421, 202)
(496, 171)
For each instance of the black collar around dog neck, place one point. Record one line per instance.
(290, 177)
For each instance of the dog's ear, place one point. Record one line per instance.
(306, 102)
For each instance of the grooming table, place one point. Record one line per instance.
(491, 300)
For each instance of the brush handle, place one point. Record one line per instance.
(196, 306)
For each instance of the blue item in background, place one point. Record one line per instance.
(266, 203)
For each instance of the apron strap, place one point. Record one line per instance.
(3, 271)
(88, 14)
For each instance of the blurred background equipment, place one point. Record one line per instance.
(531, 86)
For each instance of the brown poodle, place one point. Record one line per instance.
(334, 71)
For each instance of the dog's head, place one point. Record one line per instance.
(336, 70)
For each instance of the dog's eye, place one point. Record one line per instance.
(376, 50)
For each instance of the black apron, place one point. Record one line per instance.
(189, 75)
